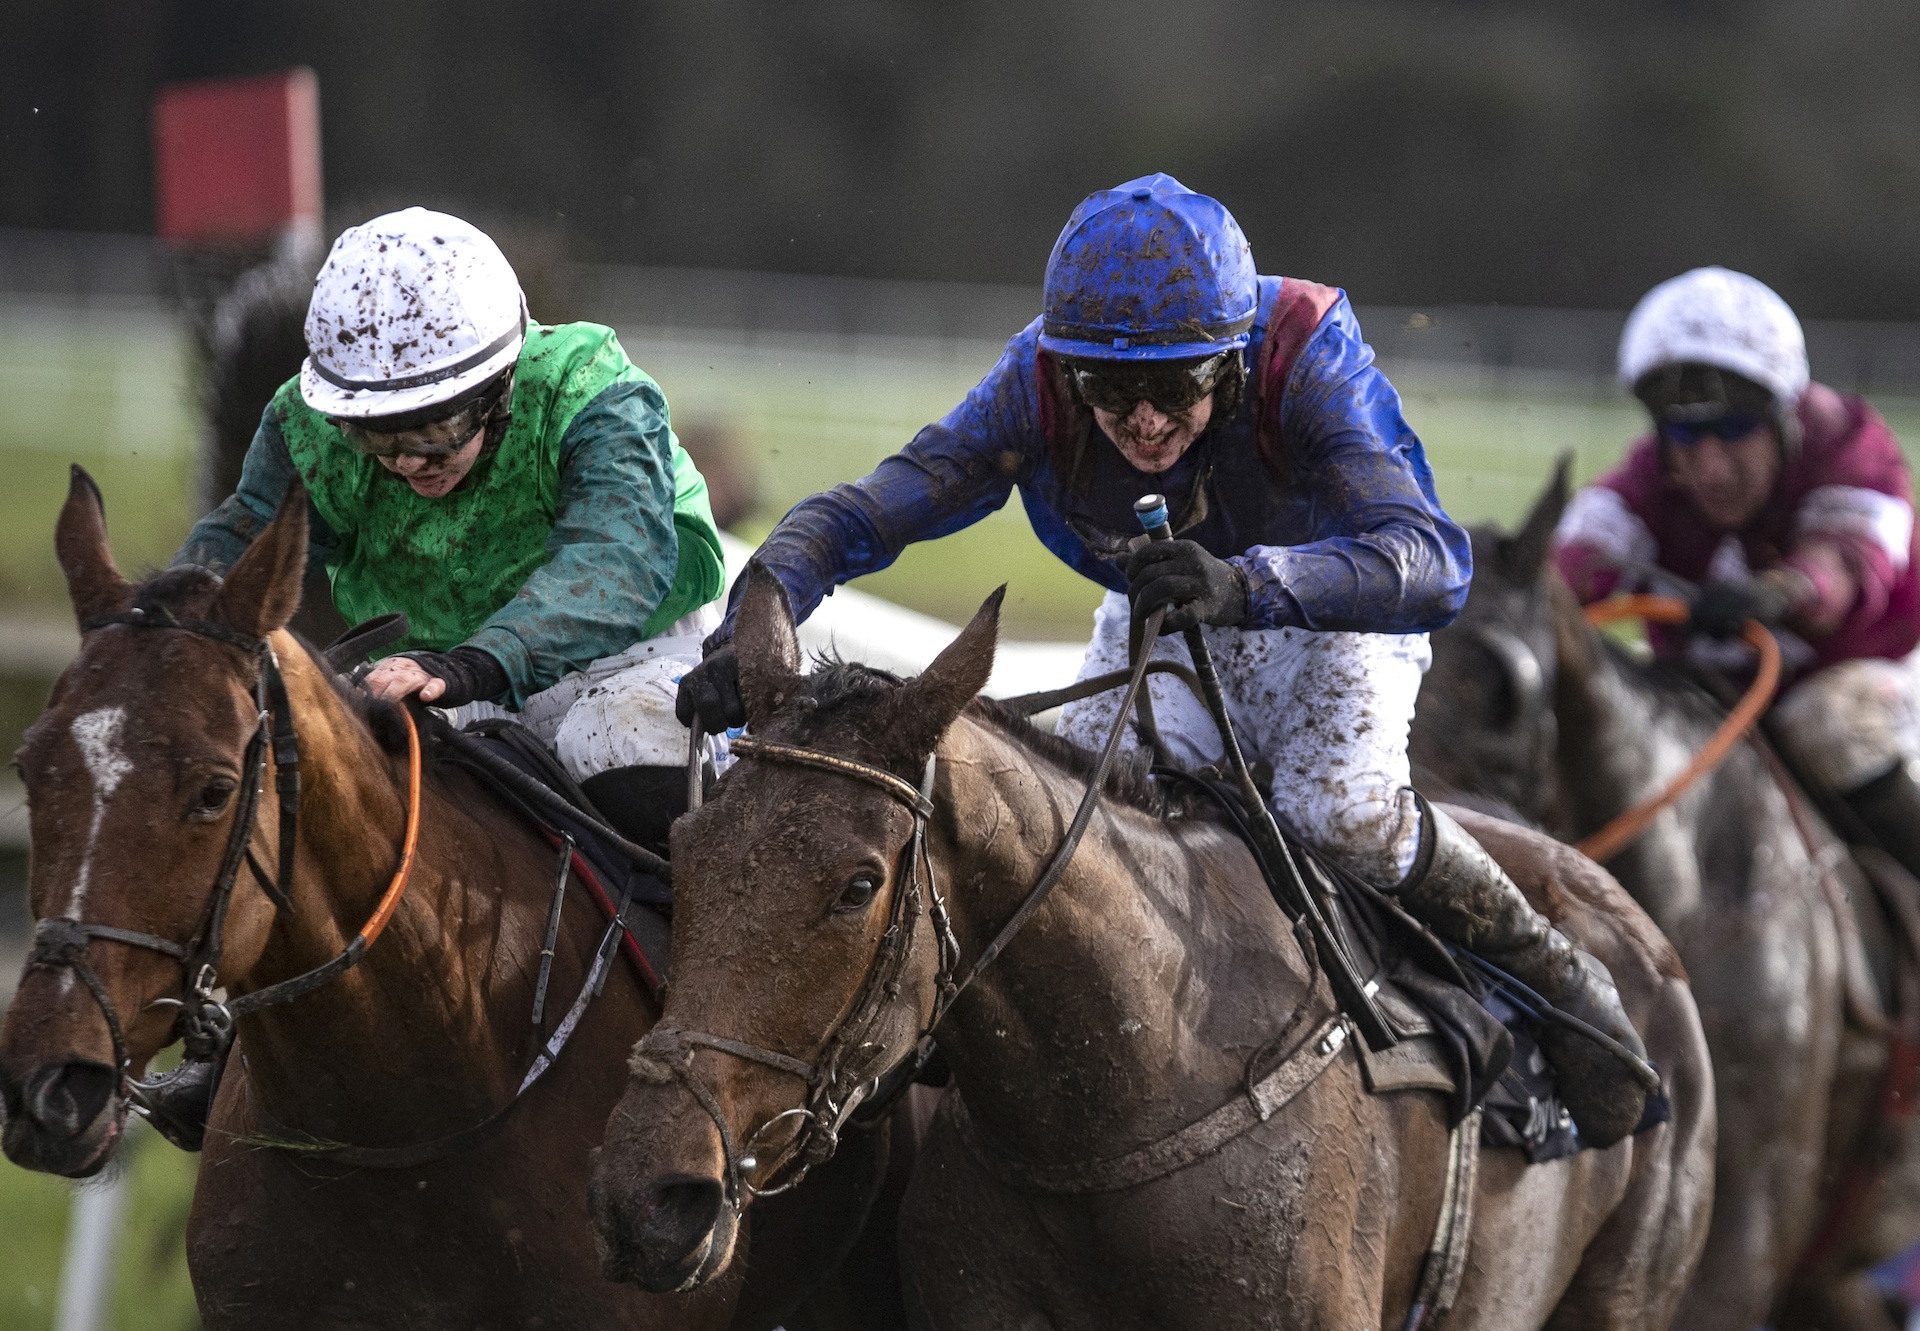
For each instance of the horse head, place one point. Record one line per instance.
(1486, 721)
(136, 775)
(808, 946)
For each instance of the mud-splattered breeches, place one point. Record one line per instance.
(1854, 720)
(618, 711)
(1328, 712)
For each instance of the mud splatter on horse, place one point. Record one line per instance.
(1062, 1184)
(1527, 706)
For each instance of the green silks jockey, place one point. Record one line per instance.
(514, 488)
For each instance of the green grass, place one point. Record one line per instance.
(151, 1290)
(110, 392)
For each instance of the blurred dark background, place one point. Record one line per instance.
(1475, 151)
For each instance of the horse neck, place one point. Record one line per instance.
(461, 944)
(1621, 742)
(1135, 995)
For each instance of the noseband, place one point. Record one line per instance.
(206, 1024)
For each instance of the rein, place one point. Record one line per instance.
(1621, 831)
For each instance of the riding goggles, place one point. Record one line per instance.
(424, 439)
(1171, 386)
(1727, 428)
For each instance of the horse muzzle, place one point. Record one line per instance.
(62, 1118)
(673, 1234)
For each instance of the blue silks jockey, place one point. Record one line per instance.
(1309, 546)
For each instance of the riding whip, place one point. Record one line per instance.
(1353, 997)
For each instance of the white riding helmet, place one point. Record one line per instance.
(1717, 317)
(410, 310)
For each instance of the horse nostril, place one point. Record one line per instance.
(65, 1100)
(679, 1216)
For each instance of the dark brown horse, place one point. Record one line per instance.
(1527, 705)
(134, 774)
(1065, 1182)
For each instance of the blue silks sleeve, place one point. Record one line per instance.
(951, 475)
(1386, 558)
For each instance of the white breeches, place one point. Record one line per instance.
(1853, 721)
(618, 712)
(1328, 712)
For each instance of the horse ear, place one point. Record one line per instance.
(94, 584)
(765, 645)
(1525, 553)
(928, 704)
(262, 589)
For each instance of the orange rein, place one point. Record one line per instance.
(397, 888)
(1616, 835)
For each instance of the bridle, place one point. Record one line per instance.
(846, 1073)
(205, 1022)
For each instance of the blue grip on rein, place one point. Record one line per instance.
(1152, 512)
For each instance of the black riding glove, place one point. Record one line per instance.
(1722, 609)
(711, 690)
(1197, 587)
(470, 673)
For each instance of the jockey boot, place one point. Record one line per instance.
(1889, 805)
(1462, 893)
(640, 803)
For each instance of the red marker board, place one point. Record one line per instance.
(236, 160)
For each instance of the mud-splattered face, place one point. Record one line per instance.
(1153, 440)
(435, 476)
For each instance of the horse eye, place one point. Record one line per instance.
(212, 799)
(858, 893)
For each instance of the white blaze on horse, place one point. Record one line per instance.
(163, 872)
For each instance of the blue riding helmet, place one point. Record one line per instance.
(1149, 271)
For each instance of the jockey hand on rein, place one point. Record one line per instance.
(1722, 609)
(470, 673)
(1196, 587)
(712, 690)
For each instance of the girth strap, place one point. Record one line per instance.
(1254, 1105)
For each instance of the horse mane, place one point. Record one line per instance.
(1675, 688)
(836, 685)
(187, 592)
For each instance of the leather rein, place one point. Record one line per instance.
(846, 1073)
(207, 1023)
(1624, 829)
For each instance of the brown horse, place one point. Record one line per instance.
(137, 780)
(1065, 1182)
(1527, 705)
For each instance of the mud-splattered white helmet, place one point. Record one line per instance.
(411, 310)
(1720, 318)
